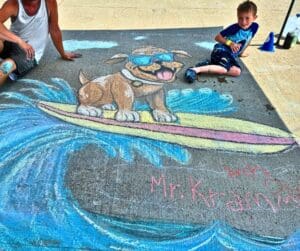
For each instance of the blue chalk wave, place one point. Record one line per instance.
(197, 101)
(37, 212)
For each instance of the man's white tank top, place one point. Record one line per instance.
(33, 29)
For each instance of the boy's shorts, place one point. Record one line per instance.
(13, 51)
(222, 56)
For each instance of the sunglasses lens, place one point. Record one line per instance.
(144, 60)
(141, 60)
(164, 57)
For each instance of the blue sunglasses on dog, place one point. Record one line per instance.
(144, 60)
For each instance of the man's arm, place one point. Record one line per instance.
(55, 32)
(10, 9)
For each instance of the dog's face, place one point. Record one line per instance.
(90, 93)
(152, 64)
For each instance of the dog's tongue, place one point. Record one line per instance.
(164, 75)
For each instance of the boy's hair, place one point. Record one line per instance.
(247, 6)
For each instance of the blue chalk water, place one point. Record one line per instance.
(37, 211)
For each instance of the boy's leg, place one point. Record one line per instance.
(212, 69)
(222, 63)
(7, 66)
(234, 71)
(191, 73)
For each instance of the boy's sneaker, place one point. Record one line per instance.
(190, 75)
(203, 63)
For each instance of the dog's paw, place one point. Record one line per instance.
(110, 107)
(123, 115)
(89, 111)
(162, 116)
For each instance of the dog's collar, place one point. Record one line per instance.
(129, 76)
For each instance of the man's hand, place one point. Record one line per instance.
(70, 56)
(27, 48)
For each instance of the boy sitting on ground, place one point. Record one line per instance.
(232, 43)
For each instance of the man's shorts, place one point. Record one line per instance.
(221, 55)
(13, 51)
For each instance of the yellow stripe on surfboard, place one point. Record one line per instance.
(196, 120)
(200, 121)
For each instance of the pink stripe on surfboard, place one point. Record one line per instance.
(237, 137)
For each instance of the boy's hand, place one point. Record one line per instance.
(235, 47)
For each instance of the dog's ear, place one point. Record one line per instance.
(182, 54)
(82, 78)
(118, 58)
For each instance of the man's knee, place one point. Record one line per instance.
(7, 66)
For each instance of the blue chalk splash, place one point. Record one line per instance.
(206, 45)
(140, 38)
(73, 45)
(37, 212)
(197, 101)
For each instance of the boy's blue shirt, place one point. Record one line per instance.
(238, 35)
